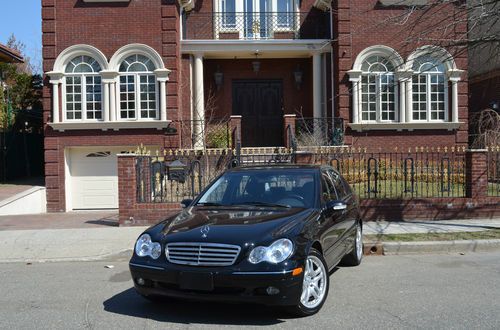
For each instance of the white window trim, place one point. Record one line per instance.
(84, 98)
(378, 101)
(137, 93)
(428, 99)
(404, 76)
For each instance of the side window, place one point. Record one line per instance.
(327, 190)
(339, 186)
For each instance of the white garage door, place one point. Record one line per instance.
(94, 178)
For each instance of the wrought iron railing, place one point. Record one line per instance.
(417, 173)
(256, 25)
(179, 174)
(319, 132)
(494, 171)
(202, 134)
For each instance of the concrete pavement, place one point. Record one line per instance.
(80, 236)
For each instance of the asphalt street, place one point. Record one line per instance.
(390, 292)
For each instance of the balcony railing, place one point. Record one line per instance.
(258, 25)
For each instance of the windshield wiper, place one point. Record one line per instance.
(209, 204)
(263, 204)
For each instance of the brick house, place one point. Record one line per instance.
(120, 73)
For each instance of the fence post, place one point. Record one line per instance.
(235, 126)
(288, 121)
(476, 173)
(127, 187)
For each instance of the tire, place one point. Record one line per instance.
(354, 257)
(315, 267)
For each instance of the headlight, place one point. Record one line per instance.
(145, 247)
(275, 253)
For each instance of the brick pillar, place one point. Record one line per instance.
(288, 121)
(235, 125)
(476, 173)
(127, 198)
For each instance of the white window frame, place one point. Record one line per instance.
(428, 102)
(137, 90)
(83, 94)
(378, 96)
(137, 94)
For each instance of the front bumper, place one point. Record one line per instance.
(226, 285)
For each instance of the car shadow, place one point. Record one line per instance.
(130, 303)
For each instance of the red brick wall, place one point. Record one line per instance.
(360, 24)
(108, 27)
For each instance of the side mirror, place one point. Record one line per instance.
(186, 202)
(336, 205)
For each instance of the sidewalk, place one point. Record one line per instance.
(81, 236)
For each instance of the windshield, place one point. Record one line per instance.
(274, 188)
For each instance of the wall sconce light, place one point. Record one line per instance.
(218, 77)
(298, 74)
(256, 63)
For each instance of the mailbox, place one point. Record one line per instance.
(177, 171)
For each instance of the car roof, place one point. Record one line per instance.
(277, 167)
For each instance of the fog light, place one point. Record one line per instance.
(140, 281)
(271, 290)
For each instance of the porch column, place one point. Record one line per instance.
(317, 85)
(199, 102)
(162, 77)
(55, 80)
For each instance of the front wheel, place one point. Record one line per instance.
(315, 285)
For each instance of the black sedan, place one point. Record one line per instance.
(267, 234)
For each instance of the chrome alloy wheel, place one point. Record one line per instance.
(359, 242)
(314, 284)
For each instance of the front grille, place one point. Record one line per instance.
(202, 254)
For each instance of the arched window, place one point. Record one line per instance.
(83, 92)
(138, 91)
(429, 90)
(378, 89)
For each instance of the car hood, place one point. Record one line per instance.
(231, 226)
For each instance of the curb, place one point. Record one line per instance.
(461, 246)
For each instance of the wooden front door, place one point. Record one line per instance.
(260, 103)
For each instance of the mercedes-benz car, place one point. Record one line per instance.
(260, 234)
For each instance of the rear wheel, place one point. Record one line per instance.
(355, 256)
(315, 285)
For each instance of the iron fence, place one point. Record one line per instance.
(178, 175)
(319, 132)
(417, 173)
(493, 171)
(256, 25)
(393, 175)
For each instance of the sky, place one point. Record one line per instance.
(23, 19)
